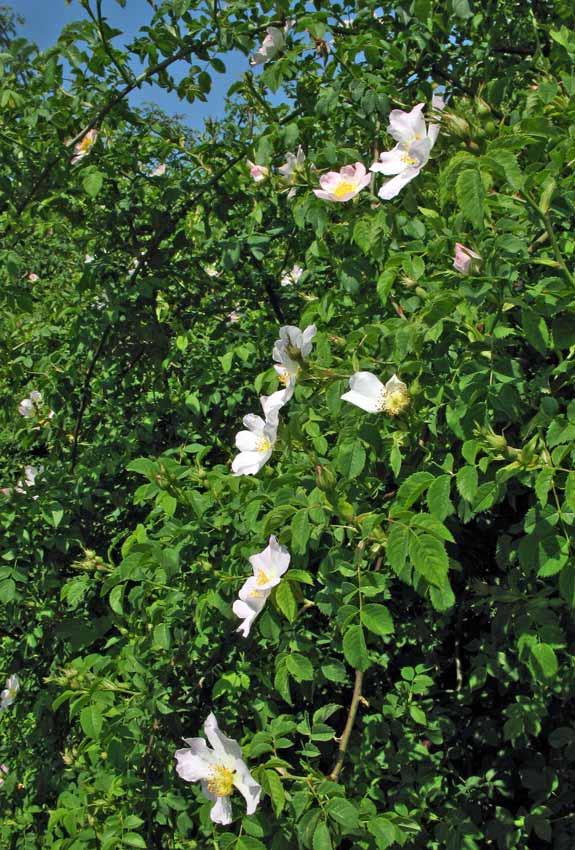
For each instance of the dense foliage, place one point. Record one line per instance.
(410, 681)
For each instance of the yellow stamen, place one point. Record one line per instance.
(262, 578)
(409, 160)
(263, 444)
(344, 188)
(395, 402)
(221, 781)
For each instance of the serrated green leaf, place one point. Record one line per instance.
(355, 648)
(429, 558)
(377, 619)
(470, 196)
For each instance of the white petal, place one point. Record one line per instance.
(249, 463)
(220, 742)
(275, 401)
(279, 556)
(307, 337)
(253, 422)
(362, 401)
(194, 762)
(390, 162)
(394, 384)
(221, 811)
(407, 126)
(246, 441)
(247, 786)
(393, 187)
(366, 383)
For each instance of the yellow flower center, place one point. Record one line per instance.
(263, 444)
(344, 188)
(394, 402)
(262, 578)
(409, 160)
(86, 143)
(221, 781)
(284, 377)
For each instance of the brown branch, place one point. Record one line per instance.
(345, 736)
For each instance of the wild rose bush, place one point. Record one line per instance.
(288, 431)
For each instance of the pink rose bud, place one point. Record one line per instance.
(465, 260)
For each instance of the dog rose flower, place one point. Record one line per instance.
(269, 567)
(343, 185)
(414, 140)
(219, 769)
(367, 392)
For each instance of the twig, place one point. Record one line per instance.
(344, 740)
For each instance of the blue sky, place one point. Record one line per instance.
(44, 20)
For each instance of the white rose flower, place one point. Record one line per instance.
(8, 695)
(220, 770)
(414, 143)
(367, 392)
(257, 442)
(268, 566)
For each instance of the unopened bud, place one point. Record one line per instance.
(324, 477)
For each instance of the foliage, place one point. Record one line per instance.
(432, 583)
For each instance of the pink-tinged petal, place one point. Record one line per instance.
(390, 162)
(325, 196)
(394, 186)
(330, 180)
(407, 127)
(221, 811)
(248, 787)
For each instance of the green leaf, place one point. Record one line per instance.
(412, 488)
(322, 838)
(248, 842)
(383, 831)
(545, 658)
(567, 584)
(162, 638)
(397, 546)
(429, 558)
(417, 715)
(536, 330)
(300, 667)
(276, 791)
(377, 619)
(466, 480)
(92, 182)
(355, 649)
(351, 459)
(300, 531)
(343, 812)
(91, 721)
(461, 9)
(470, 196)
(286, 601)
(438, 497)
(132, 839)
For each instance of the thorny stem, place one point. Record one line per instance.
(346, 734)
